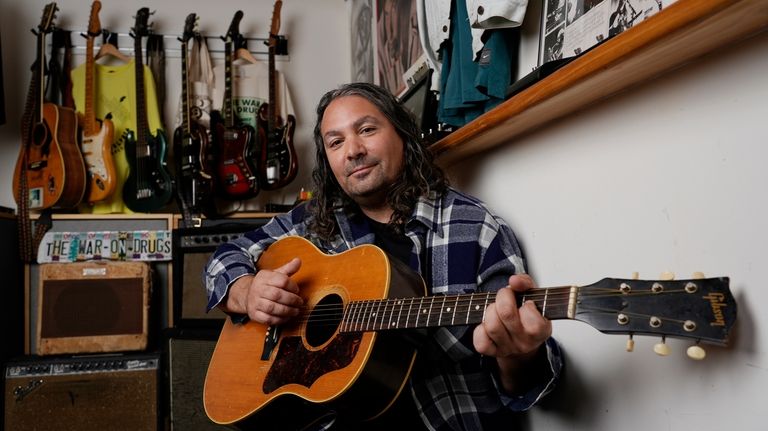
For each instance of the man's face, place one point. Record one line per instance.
(363, 149)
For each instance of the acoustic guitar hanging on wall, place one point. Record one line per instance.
(49, 158)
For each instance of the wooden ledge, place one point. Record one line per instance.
(681, 32)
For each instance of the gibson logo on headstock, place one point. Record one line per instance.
(717, 302)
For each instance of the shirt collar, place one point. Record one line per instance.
(429, 213)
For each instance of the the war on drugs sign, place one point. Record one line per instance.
(141, 245)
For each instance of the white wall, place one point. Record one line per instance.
(318, 45)
(669, 176)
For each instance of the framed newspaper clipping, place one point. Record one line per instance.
(570, 27)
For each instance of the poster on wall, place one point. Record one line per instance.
(397, 46)
(570, 27)
(362, 27)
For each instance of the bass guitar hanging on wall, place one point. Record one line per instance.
(148, 186)
(278, 162)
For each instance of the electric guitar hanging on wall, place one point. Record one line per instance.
(49, 158)
(346, 344)
(236, 164)
(148, 186)
(278, 163)
(190, 140)
(96, 136)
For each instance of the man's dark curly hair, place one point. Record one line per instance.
(420, 176)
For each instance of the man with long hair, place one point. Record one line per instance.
(376, 183)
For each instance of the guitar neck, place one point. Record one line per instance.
(142, 126)
(185, 114)
(90, 127)
(449, 310)
(40, 86)
(271, 110)
(229, 120)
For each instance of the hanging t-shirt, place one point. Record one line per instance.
(115, 94)
(250, 88)
(470, 86)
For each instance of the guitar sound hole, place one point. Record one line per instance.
(324, 320)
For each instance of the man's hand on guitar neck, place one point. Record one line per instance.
(512, 334)
(269, 297)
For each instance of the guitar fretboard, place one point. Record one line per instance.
(448, 310)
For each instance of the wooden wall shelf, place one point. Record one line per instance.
(683, 31)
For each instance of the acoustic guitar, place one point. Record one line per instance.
(236, 164)
(190, 144)
(344, 349)
(96, 136)
(279, 163)
(148, 186)
(50, 158)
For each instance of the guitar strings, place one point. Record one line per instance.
(369, 312)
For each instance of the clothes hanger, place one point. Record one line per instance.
(108, 48)
(242, 50)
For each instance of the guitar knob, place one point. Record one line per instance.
(696, 352)
(662, 349)
(698, 275)
(630, 344)
(666, 275)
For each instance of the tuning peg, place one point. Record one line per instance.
(661, 349)
(635, 275)
(666, 275)
(696, 352)
(697, 275)
(630, 344)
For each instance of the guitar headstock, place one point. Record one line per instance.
(141, 28)
(234, 27)
(274, 28)
(46, 21)
(699, 309)
(94, 24)
(190, 27)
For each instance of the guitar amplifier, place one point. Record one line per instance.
(191, 249)
(96, 306)
(105, 392)
(189, 352)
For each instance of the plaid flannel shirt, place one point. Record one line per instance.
(459, 246)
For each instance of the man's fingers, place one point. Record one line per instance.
(290, 268)
(521, 282)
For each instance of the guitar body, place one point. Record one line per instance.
(358, 373)
(279, 163)
(148, 186)
(55, 168)
(194, 181)
(100, 164)
(235, 168)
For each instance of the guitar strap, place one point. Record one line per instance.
(28, 242)
(59, 87)
(156, 63)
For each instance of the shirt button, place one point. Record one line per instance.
(445, 28)
(480, 10)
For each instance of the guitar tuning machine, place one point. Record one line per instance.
(667, 275)
(696, 352)
(662, 349)
(630, 344)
